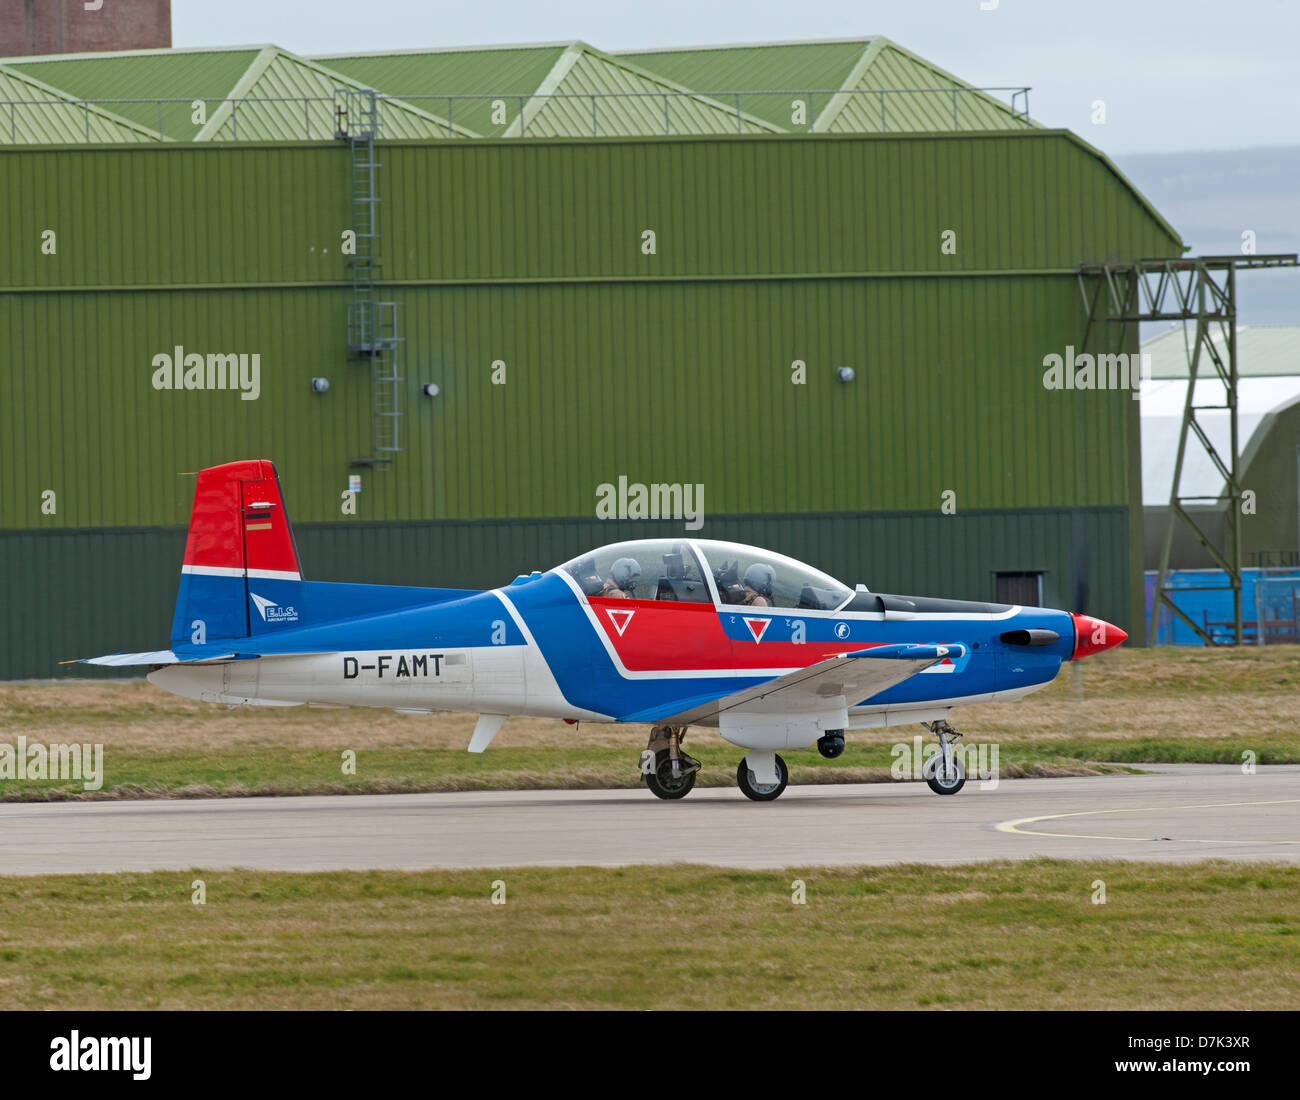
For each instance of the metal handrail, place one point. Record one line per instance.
(732, 102)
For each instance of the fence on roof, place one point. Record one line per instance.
(576, 114)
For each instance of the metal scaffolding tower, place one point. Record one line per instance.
(374, 325)
(1200, 289)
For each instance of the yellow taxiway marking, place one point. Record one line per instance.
(1015, 826)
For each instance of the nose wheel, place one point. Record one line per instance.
(944, 772)
(947, 782)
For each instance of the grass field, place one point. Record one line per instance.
(1164, 705)
(1026, 935)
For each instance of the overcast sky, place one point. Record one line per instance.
(1174, 74)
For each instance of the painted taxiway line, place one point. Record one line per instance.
(1016, 826)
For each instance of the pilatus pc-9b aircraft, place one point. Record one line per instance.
(673, 632)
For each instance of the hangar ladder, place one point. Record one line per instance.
(374, 325)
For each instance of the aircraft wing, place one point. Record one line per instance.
(846, 678)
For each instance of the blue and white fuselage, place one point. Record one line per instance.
(668, 632)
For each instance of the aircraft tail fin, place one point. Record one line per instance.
(241, 570)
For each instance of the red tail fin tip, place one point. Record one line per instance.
(239, 524)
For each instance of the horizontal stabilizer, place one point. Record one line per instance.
(154, 657)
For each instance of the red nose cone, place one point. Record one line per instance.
(1093, 635)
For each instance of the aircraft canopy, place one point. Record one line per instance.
(704, 571)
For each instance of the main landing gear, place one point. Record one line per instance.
(670, 772)
(944, 771)
(667, 770)
(751, 787)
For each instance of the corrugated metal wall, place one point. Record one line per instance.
(80, 593)
(680, 382)
(674, 367)
(805, 206)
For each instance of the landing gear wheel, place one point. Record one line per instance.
(948, 784)
(662, 782)
(762, 792)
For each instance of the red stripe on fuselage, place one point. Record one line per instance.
(665, 636)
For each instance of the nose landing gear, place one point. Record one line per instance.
(944, 771)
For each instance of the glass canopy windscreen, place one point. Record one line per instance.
(643, 569)
(759, 578)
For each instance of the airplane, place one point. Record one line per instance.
(670, 632)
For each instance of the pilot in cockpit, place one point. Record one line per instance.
(758, 585)
(622, 579)
(727, 579)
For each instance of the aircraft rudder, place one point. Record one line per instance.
(239, 532)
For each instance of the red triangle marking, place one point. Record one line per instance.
(757, 627)
(620, 626)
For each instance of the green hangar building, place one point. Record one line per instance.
(810, 286)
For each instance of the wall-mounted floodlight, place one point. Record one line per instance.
(430, 389)
(844, 374)
(320, 385)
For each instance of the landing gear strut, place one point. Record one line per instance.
(944, 771)
(667, 770)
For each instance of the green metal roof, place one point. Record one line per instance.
(34, 113)
(285, 97)
(777, 67)
(466, 82)
(940, 102)
(154, 74)
(920, 96)
(862, 85)
(592, 93)
(473, 71)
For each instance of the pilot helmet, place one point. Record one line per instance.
(759, 577)
(625, 573)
